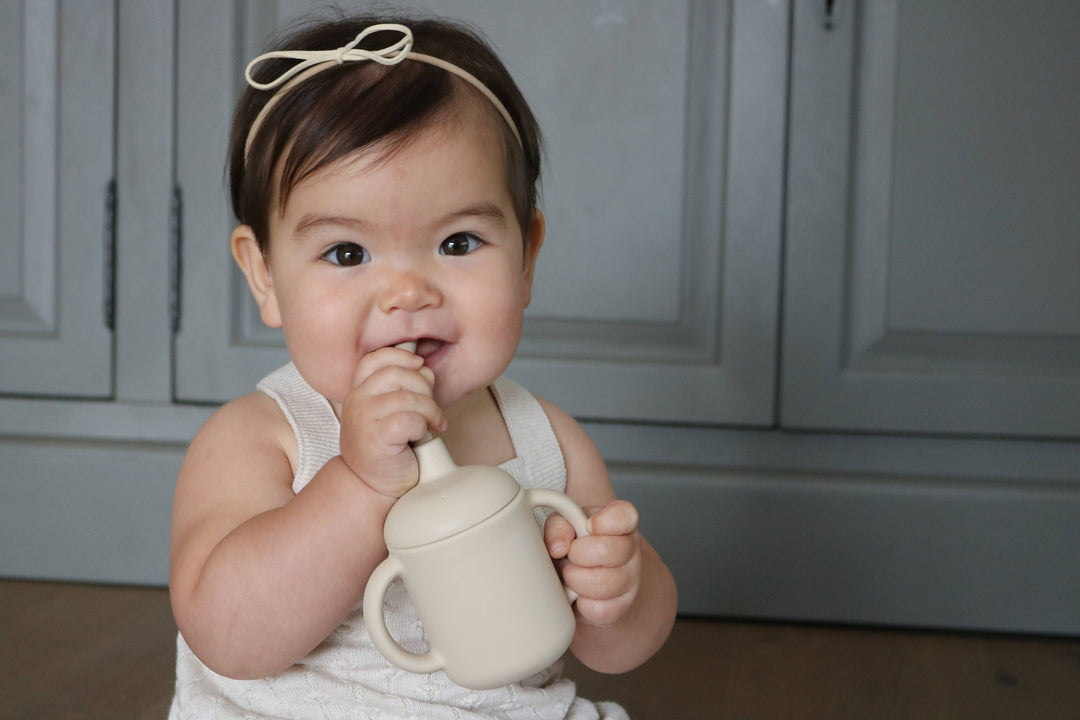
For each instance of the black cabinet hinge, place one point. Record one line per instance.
(176, 238)
(829, 14)
(109, 241)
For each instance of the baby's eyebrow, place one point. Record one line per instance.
(484, 211)
(310, 222)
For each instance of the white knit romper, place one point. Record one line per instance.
(346, 676)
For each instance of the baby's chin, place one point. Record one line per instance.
(453, 401)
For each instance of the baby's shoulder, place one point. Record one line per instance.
(255, 410)
(587, 479)
(572, 438)
(251, 423)
(561, 421)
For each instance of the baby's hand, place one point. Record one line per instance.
(389, 405)
(604, 567)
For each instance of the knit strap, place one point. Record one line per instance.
(531, 434)
(312, 419)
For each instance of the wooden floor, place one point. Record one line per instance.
(89, 652)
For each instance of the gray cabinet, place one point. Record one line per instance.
(928, 253)
(808, 283)
(56, 165)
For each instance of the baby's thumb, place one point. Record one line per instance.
(558, 534)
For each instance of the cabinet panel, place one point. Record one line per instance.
(662, 193)
(863, 549)
(96, 512)
(931, 250)
(56, 100)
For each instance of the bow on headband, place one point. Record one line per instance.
(315, 61)
(389, 55)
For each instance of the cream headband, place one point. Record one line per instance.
(315, 61)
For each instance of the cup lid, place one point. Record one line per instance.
(443, 506)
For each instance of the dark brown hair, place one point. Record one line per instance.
(344, 109)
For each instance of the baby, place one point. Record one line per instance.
(387, 193)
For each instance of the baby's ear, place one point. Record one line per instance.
(252, 262)
(532, 250)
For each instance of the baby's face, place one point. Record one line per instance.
(424, 245)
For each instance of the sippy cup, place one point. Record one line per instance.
(472, 556)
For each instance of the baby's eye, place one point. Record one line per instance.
(460, 244)
(347, 255)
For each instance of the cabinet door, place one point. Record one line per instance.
(656, 290)
(56, 155)
(932, 220)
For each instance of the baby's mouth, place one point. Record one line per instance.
(428, 347)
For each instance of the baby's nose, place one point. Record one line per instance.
(410, 291)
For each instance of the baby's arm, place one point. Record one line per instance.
(260, 576)
(628, 597)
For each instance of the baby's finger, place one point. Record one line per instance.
(393, 378)
(407, 403)
(599, 583)
(603, 613)
(618, 517)
(603, 551)
(407, 427)
(558, 535)
(383, 357)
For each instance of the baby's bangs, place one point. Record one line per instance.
(355, 107)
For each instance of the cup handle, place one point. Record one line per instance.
(562, 504)
(374, 596)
